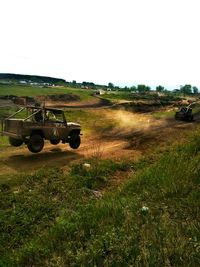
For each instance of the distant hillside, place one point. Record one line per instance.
(29, 78)
(22, 79)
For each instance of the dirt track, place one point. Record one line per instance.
(96, 102)
(134, 135)
(20, 159)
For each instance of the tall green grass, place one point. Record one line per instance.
(152, 219)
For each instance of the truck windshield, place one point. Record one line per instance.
(54, 116)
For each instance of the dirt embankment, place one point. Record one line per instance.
(95, 102)
(27, 100)
(57, 98)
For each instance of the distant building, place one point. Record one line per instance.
(176, 91)
(101, 92)
(34, 84)
(84, 87)
(22, 82)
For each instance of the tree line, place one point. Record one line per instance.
(186, 89)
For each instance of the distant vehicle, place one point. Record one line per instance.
(185, 114)
(39, 124)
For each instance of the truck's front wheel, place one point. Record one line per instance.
(75, 141)
(35, 143)
(190, 118)
(15, 142)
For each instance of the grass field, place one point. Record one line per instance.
(152, 219)
(21, 90)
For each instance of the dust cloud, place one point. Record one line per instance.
(126, 120)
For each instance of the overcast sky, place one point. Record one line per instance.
(126, 42)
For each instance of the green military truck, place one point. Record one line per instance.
(32, 125)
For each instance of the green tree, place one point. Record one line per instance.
(133, 88)
(141, 88)
(195, 90)
(110, 85)
(160, 88)
(186, 89)
(74, 83)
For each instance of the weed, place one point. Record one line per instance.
(98, 175)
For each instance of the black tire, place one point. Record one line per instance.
(177, 116)
(54, 141)
(15, 142)
(35, 143)
(190, 118)
(75, 141)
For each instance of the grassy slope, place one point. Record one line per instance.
(54, 219)
(21, 90)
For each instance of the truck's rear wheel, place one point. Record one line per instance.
(35, 143)
(75, 141)
(15, 142)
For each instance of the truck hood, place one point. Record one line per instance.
(73, 124)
